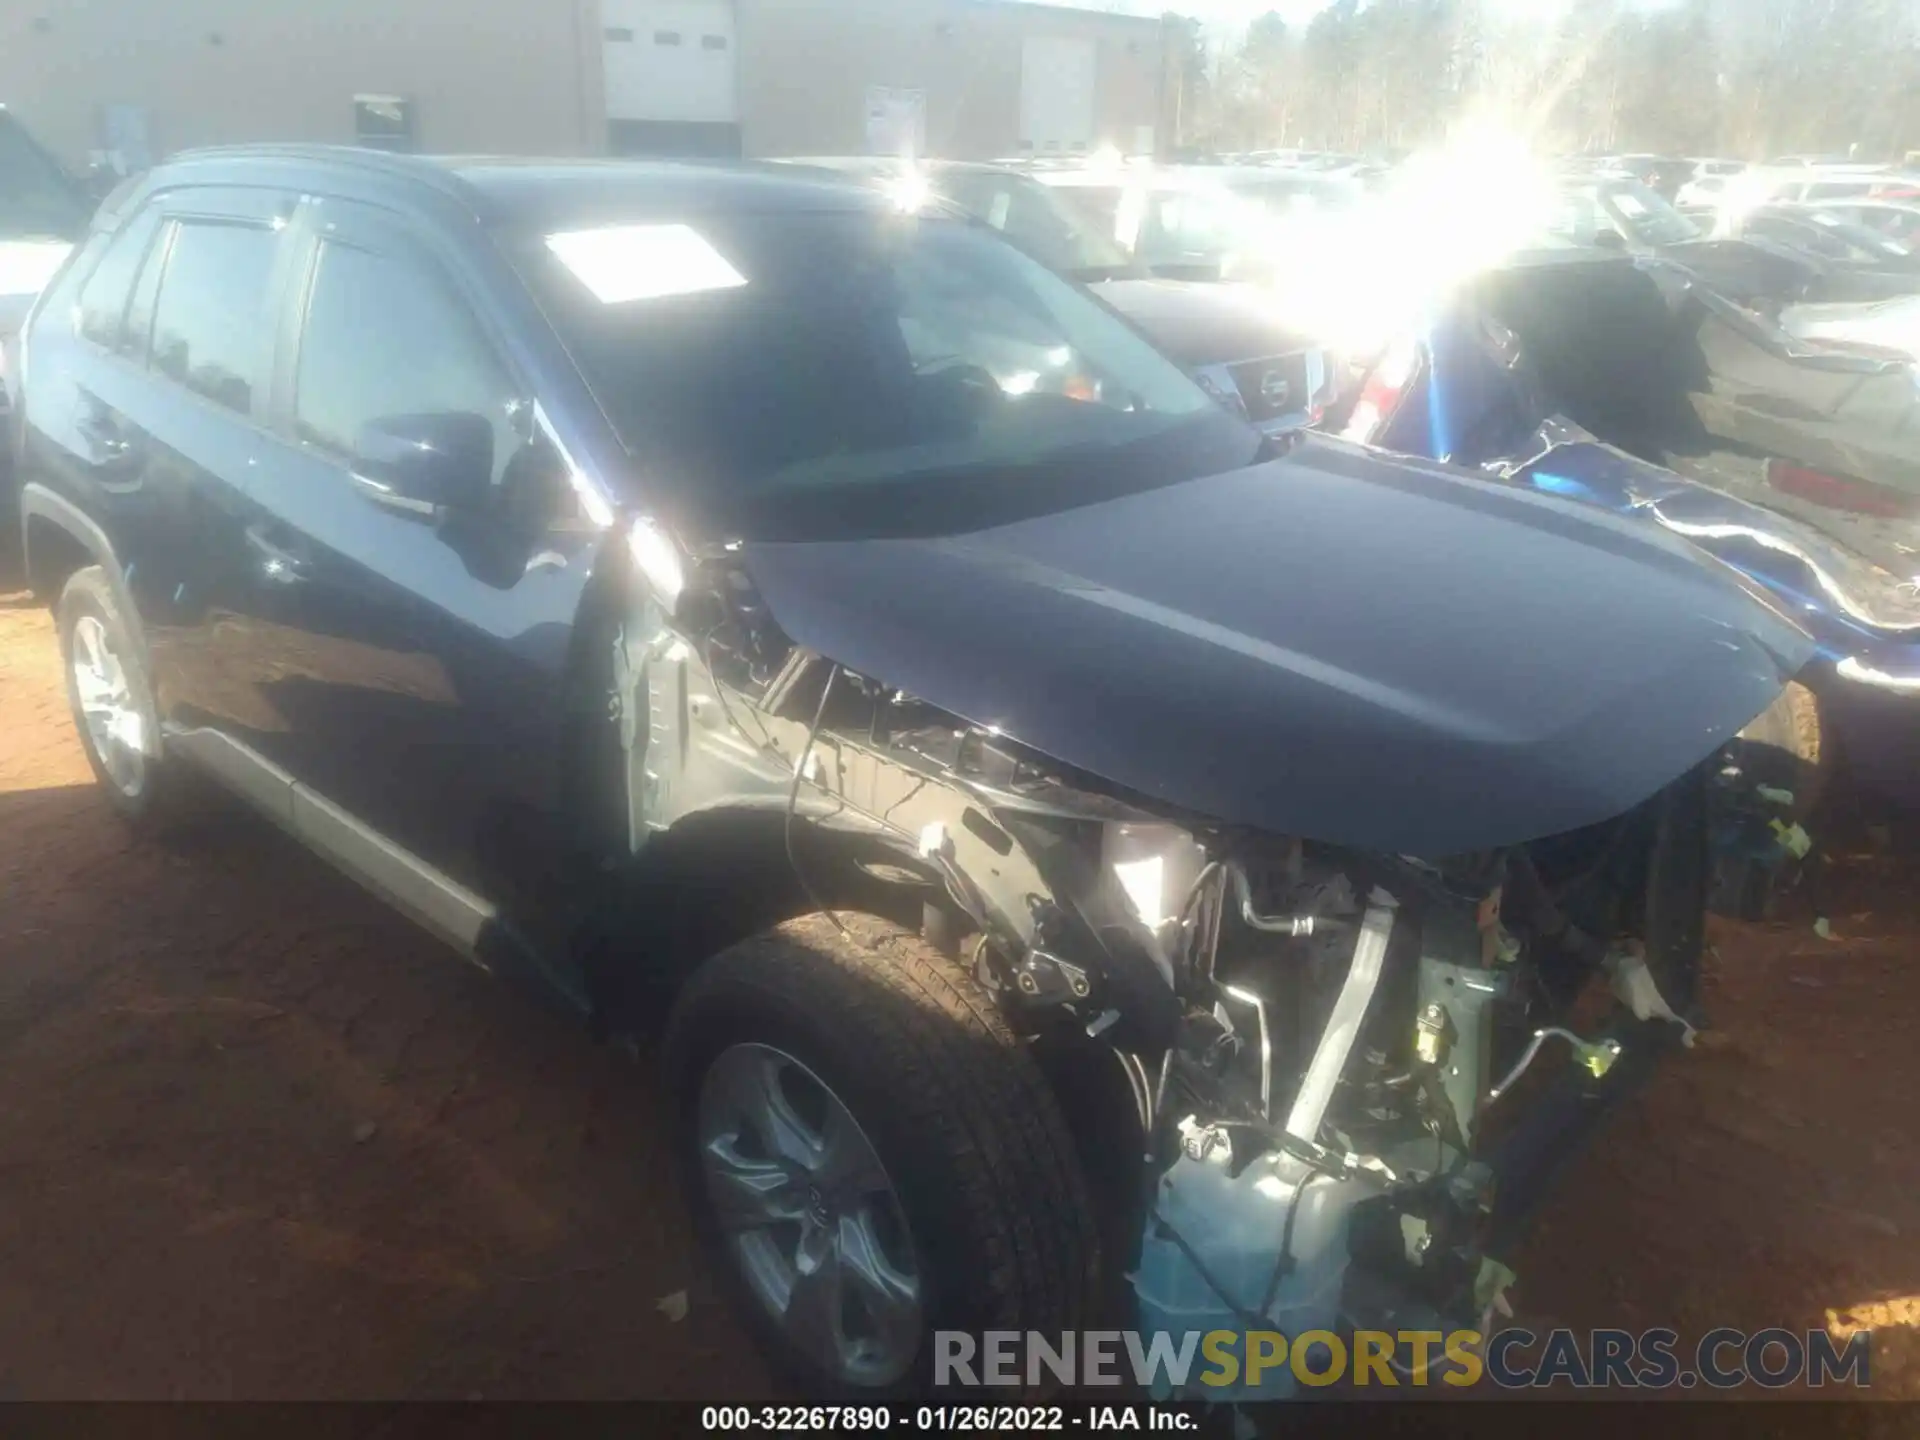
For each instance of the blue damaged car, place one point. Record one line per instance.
(1064, 834)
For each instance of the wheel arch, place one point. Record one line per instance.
(57, 539)
(716, 878)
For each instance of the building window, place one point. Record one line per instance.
(383, 122)
(666, 37)
(713, 42)
(618, 35)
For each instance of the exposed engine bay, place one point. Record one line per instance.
(1354, 1080)
(1355, 1075)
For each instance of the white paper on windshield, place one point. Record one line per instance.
(623, 263)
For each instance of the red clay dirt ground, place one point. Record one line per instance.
(261, 1139)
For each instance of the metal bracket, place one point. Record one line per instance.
(1043, 979)
(1465, 996)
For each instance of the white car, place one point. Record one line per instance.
(1708, 184)
(1827, 184)
(1731, 198)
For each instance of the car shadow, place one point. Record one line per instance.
(265, 1139)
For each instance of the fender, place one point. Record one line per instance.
(37, 502)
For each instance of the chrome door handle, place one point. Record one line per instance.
(112, 450)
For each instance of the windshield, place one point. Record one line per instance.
(1646, 216)
(1038, 221)
(763, 366)
(38, 200)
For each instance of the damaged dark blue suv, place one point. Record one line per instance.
(1077, 836)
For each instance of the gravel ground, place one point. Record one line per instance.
(261, 1139)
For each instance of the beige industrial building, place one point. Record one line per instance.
(131, 80)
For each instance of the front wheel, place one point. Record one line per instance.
(874, 1157)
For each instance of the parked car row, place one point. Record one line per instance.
(1067, 828)
(1701, 182)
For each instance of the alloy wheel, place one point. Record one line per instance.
(810, 1215)
(115, 727)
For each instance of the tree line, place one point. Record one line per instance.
(1750, 79)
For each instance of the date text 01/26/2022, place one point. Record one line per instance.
(988, 1419)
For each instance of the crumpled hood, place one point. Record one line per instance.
(1204, 324)
(1340, 645)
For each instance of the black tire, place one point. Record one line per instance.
(164, 798)
(978, 1152)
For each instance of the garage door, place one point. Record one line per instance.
(670, 75)
(1057, 79)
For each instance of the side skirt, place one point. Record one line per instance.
(436, 902)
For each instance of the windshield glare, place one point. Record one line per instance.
(862, 350)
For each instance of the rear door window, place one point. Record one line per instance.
(103, 299)
(137, 328)
(211, 326)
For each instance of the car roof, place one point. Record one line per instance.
(516, 191)
(546, 192)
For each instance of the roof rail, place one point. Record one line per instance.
(418, 168)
